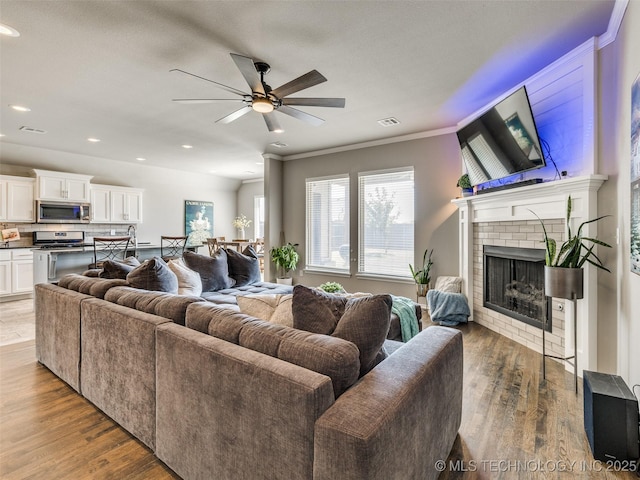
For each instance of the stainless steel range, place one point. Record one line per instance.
(58, 239)
(50, 243)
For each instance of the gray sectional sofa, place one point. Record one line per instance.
(217, 394)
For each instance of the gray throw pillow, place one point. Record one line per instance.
(213, 271)
(363, 321)
(316, 311)
(244, 267)
(116, 269)
(154, 274)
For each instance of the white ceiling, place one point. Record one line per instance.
(101, 69)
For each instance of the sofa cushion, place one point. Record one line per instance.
(229, 296)
(244, 267)
(167, 305)
(154, 274)
(94, 286)
(272, 308)
(116, 269)
(189, 282)
(213, 271)
(361, 320)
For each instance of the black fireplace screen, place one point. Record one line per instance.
(514, 284)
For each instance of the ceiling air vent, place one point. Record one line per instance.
(32, 130)
(389, 122)
(279, 144)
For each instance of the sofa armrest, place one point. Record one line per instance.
(400, 418)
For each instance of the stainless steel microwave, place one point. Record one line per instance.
(62, 212)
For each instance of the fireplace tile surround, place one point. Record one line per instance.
(505, 218)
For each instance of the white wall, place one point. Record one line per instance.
(165, 190)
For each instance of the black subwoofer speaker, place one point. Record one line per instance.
(610, 417)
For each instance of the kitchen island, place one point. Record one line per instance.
(50, 264)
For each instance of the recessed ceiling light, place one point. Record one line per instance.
(93, 140)
(140, 159)
(279, 144)
(8, 31)
(259, 163)
(1, 134)
(187, 146)
(20, 108)
(213, 171)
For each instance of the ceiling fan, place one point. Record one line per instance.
(265, 100)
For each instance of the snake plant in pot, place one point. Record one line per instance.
(564, 264)
(422, 277)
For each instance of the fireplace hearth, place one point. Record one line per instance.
(514, 284)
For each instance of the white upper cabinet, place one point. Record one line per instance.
(17, 199)
(63, 187)
(111, 204)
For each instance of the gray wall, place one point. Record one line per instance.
(436, 162)
(165, 190)
(245, 201)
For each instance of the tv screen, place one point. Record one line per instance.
(502, 142)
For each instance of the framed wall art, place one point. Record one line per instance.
(198, 220)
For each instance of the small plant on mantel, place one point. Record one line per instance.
(574, 252)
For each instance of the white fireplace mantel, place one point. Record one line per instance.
(549, 201)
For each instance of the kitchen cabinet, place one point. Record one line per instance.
(62, 187)
(111, 204)
(16, 271)
(16, 199)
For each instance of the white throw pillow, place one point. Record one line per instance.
(449, 284)
(189, 282)
(271, 308)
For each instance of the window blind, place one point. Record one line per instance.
(327, 229)
(386, 219)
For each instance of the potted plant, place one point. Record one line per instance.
(563, 266)
(422, 277)
(241, 223)
(465, 184)
(332, 287)
(286, 259)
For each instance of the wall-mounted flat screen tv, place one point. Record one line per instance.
(502, 142)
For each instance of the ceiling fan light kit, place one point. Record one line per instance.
(263, 99)
(262, 105)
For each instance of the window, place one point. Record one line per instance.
(258, 216)
(327, 239)
(385, 202)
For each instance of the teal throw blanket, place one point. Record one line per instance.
(405, 309)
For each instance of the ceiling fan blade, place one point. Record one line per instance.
(226, 87)
(300, 115)
(315, 102)
(206, 100)
(248, 71)
(305, 81)
(272, 122)
(235, 115)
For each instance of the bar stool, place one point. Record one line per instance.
(109, 248)
(172, 247)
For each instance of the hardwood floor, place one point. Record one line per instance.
(514, 425)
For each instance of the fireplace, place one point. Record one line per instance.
(514, 284)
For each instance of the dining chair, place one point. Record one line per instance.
(214, 244)
(109, 248)
(172, 247)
